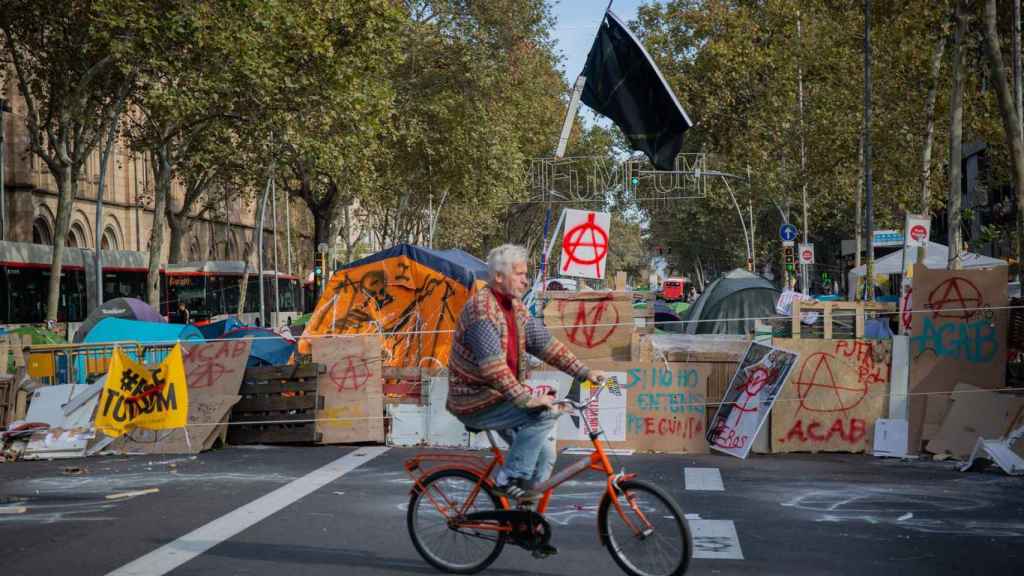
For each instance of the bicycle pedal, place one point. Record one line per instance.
(544, 551)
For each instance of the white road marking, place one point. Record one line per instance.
(715, 539)
(703, 479)
(170, 556)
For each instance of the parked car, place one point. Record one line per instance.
(673, 289)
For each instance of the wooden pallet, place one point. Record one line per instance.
(828, 310)
(278, 406)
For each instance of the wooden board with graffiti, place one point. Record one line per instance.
(958, 334)
(664, 406)
(832, 397)
(594, 325)
(353, 397)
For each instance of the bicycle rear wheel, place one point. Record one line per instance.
(662, 547)
(441, 542)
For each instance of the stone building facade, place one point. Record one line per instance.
(222, 234)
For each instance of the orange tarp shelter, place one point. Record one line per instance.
(412, 295)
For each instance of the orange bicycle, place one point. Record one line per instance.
(458, 524)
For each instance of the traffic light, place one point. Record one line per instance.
(787, 251)
(634, 182)
(318, 271)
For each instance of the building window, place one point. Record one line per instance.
(41, 233)
(109, 240)
(76, 237)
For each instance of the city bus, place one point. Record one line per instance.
(25, 280)
(211, 290)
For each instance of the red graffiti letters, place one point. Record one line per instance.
(852, 431)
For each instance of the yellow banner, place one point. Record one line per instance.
(134, 397)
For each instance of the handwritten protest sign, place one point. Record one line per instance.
(585, 244)
(958, 334)
(833, 396)
(134, 397)
(351, 386)
(749, 398)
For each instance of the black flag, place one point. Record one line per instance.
(624, 84)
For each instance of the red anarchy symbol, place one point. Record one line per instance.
(353, 376)
(959, 295)
(590, 328)
(816, 372)
(574, 240)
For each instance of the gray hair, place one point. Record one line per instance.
(502, 258)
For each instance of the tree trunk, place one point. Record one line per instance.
(162, 173)
(66, 186)
(929, 131)
(179, 226)
(1008, 110)
(956, 129)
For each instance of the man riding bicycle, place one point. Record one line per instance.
(488, 366)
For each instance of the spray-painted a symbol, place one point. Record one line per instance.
(956, 298)
(349, 374)
(589, 237)
(593, 323)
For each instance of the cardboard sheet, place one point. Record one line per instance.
(664, 407)
(833, 396)
(594, 325)
(958, 334)
(352, 389)
(975, 413)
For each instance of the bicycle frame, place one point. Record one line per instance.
(480, 467)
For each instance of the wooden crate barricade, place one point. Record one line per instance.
(279, 405)
(828, 310)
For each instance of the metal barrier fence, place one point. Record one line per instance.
(85, 363)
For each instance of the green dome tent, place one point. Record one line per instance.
(730, 304)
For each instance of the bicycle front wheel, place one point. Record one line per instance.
(433, 521)
(646, 534)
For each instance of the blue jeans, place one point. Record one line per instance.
(530, 435)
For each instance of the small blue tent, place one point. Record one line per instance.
(217, 329)
(118, 330)
(136, 331)
(268, 347)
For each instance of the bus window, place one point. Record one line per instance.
(287, 295)
(214, 296)
(28, 287)
(124, 285)
(252, 295)
(188, 289)
(72, 289)
(230, 293)
(5, 311)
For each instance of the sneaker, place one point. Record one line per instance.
(544, 551)
(515, 490)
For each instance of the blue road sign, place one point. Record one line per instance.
(788, 232)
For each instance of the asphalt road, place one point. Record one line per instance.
(784, 514)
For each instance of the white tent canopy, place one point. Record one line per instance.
(936, 256)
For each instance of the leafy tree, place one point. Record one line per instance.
(60, 56)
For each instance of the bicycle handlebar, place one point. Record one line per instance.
(609, 383)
